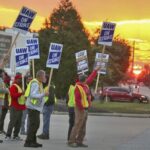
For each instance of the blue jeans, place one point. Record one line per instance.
(23, 122)
(47, 111)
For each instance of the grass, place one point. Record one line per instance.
(120, 107)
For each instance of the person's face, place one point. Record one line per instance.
(43, 78)
(19, 81)
(29, 79)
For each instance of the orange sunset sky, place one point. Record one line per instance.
(132, 18)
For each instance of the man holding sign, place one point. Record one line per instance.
(82, 104)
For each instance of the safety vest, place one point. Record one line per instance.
(21, 99)
(34, 101)
(46, 97)
(84, 98)
(2, 95)
(71, 102)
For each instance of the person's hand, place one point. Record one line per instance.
(46, 93)
(97, 67)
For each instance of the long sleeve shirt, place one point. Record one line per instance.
(35, 93)
(15, 95)
(88, 81)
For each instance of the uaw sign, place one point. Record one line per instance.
(22, 58)
(82, 61)
(5, 43)
(54, 55)
(33, 48)
(24, 20)
(102, 61)
(107, 33)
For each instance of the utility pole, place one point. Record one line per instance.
(133, 55)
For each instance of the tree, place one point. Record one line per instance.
(63, 26)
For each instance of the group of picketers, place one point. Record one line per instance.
(39, 97)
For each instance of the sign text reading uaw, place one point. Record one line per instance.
(107, 33)
(24, 20)
(22, 58)
(33, 48)
(54, 55)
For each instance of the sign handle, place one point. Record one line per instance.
(23, 88)
(97, 81)
(9, 51)
(50, 77)
(33, 69)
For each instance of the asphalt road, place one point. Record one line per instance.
(103, 133)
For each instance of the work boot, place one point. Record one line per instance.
(43, 137)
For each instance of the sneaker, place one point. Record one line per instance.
(8, 138)
(2, 132)
(82, 145)
(17, 138)
(73, 145)
(43, 137)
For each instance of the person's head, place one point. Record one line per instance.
(28, 78)
(82, 78)
(18, 79)
(41, 76)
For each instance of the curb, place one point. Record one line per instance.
(110, 114)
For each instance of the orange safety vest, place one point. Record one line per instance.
(84, 98)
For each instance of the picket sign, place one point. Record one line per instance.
(98, 76)
(53, 60)
(9, 51)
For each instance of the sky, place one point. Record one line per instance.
(132, 18)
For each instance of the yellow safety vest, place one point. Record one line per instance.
(46, 97)
(71, 102)
(2, 95)
(84, 99)
(21, 99)
(27, 92)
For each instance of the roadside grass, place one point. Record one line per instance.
(120, 107)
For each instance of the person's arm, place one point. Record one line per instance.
(14, 92)
(34, 93)
(78, 99)
(92, 76)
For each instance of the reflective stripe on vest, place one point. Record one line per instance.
(84, 99)
(21, 99)
(2, 96)
(27, 92)
(71, 102)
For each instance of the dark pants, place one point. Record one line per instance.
(2, 118)
(15, 122)
(34, 123)
(71, 120)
